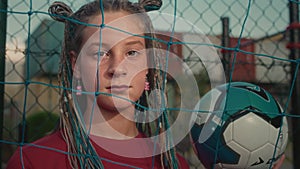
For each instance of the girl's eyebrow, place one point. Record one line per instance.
(128, 43)
(98, 44)
(134, 42)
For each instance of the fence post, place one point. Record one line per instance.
(3, 17)
(226, 43)
(295, 100)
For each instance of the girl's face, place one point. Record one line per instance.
(112, 61)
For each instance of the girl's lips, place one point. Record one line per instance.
(118, 88)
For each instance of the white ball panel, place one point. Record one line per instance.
(251, 131)
(283, 138)
(273, 135)
(285, 135)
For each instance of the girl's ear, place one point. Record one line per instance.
(75, 68)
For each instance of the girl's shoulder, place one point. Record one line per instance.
(46, 151)
(54, 140)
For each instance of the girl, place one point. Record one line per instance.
(111, 59)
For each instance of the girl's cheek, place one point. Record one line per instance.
(88, 74)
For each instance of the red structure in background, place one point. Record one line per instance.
(244, 66)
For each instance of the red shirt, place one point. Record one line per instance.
(50, 152)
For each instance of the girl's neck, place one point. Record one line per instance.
(111, 123)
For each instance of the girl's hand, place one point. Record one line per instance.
(279, 162)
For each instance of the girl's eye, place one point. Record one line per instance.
(101, 54)
(133, 53)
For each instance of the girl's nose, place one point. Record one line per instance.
(117, 66)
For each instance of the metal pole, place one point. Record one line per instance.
(3, 17)
(295, 100)
(226, 43)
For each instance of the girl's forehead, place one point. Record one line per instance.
(109, 40)
(118, 26)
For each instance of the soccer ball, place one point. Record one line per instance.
(238, 125)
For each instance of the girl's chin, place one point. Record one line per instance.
(115, 104)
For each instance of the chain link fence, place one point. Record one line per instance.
(257, 32)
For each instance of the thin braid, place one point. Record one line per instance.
(68, 112)
(167, 157)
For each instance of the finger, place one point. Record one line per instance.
(279, 162)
